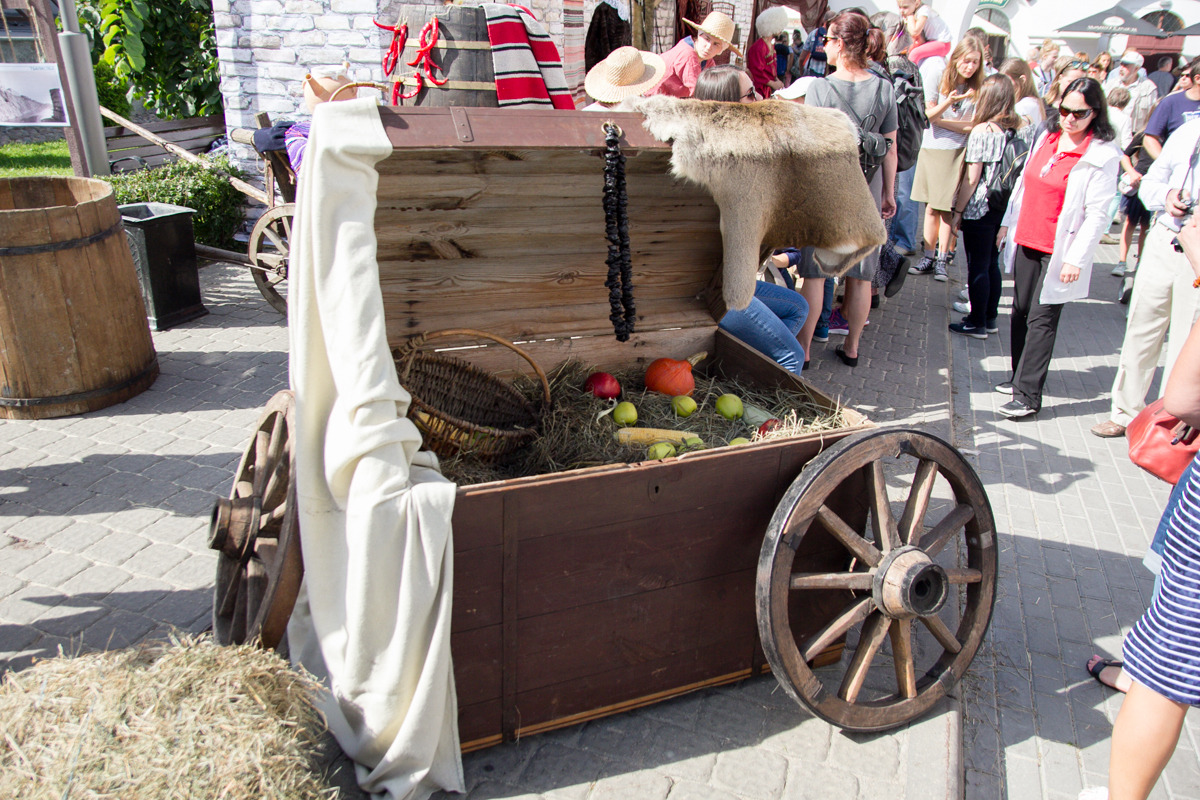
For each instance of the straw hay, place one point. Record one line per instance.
(187, 719)
(573, 438)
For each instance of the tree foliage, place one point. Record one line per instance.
(165, 49)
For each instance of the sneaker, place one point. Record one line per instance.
(939, 269)
(1015, 409)
(922, 267)
(838, 324)
(961, 307)
(1119, 270)
(974, 331)
(1005, 388)
(1108, 238)
(992, 327)
(1125, 293)
(964, 294)
(821, 334)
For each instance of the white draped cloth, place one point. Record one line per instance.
(373, 617)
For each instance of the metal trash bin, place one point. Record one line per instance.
(164, 251)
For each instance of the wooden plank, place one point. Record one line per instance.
(477, 588)
(214, 121)
(179, 137)
(574, 320)
(621, 689)
(604, 562)
(493, 128)
(479, 725)
(476, 656)
(713, 621)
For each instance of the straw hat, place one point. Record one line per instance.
(717, 26)
(627, 72)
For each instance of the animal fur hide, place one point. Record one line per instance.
(782, 174)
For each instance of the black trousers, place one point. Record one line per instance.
(1034, 326)
(984, 283)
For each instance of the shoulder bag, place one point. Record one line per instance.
(1160, 443)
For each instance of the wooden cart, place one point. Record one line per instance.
(585, 593)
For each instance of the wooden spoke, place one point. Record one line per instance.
(851, 615)
(860, 547)
(269, 252)
(912, 521)
(857, 581)
(812, 594)
(957, 577)
(257, 581)
(874, 631)
(943, 634)
(959, 516)
(883, 523)
(902, 658)
(261, 456)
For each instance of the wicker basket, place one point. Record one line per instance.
(459, 407)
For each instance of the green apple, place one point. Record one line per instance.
(625, 414)
(730, 406)
(660, 450)
(684, 406)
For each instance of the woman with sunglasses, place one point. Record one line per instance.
(1058, 211)
(870, 102)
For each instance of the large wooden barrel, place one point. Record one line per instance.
(73, 332)
(462, 54)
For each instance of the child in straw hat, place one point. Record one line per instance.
(627, 72)
(713, 36)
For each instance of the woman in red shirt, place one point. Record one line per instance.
(1058, 211)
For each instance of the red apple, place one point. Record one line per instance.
(603, 385)
(768, 426)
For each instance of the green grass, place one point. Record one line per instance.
(43, 158)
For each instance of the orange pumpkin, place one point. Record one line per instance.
(672, 377)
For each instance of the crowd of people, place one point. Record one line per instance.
(1029, 163)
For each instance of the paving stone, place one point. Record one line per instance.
(55, 569)
(687, 790)
(155, 560)
(116, 548)
(751, 773)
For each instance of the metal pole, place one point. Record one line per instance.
(77, 59)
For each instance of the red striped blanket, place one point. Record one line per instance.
(529, 71)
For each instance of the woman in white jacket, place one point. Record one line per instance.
(1058, 211)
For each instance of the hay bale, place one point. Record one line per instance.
(184, 719)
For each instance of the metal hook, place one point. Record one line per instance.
(614, 126)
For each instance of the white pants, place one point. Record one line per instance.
(1163, 300)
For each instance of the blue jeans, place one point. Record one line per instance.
(827, 304)
(1158, 545)
(904, 224)
(770, 324)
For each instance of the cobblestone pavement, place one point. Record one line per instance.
(102, 544)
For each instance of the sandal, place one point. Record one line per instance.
(1097, 664)
(849, 361)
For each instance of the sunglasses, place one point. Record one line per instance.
(1083, 65)
(1077, 113)
(826, 39)
(750, 95)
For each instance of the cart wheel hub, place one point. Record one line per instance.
(908, 584)
(233, 525)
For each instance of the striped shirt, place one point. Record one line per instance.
(1162, 651)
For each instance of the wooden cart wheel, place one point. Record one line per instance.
(270, 249)
(916, 592)
(257, 536)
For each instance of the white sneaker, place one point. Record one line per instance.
(961, 307)
(963, 294)
(1094, 793)
(1119, 270)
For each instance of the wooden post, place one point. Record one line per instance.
(43, 21)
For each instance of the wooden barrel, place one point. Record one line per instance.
(73, 332)
(462, 54)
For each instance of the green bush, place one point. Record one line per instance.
(218, 205)
(113, 91)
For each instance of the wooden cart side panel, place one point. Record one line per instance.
(514, 240)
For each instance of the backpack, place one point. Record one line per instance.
(910, 111)
(872, 146)
(1007, 171)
